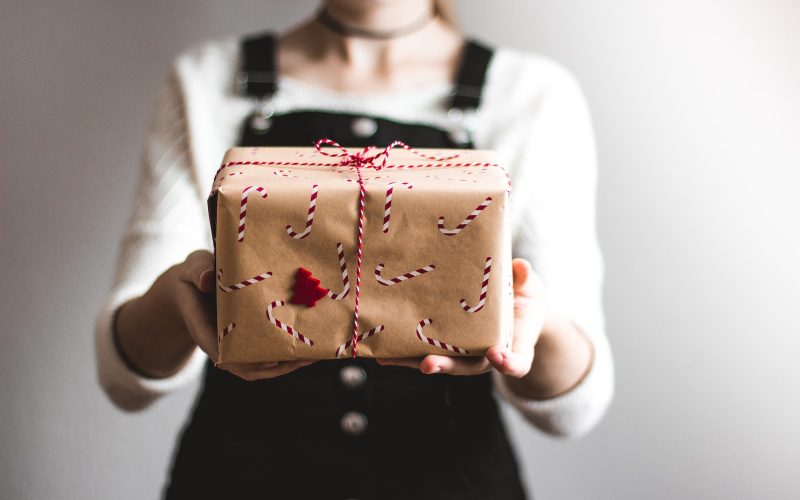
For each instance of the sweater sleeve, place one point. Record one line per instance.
(554, 173)
(166, 224)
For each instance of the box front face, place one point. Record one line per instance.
(436, 257)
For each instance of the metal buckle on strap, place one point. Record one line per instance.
(470, 91)
(244, 78)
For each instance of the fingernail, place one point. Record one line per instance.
(435, 369)
(203, 277)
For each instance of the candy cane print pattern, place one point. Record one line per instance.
(225, 331)
(452, 232)
(217, 184)
(437, 178)
(361, 336)
(242, 284)
(287, 173)
(402, 277)
(243, 206)
(312, 206)
(487, 268)
(387, 210)
(283, 326)
(365, 179)
(345, 278)
(434, 342)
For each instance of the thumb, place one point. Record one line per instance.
(198, 269)
(521, 270)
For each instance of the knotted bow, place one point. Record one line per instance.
(360, 159)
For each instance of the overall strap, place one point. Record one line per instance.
(471, 75)
(258, 75)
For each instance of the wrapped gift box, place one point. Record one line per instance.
(436, 253)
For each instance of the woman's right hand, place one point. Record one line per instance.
(158, 331)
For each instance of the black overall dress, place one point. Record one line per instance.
(346, 428)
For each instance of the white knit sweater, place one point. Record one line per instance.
(533, 114)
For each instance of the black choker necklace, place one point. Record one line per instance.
(332, 24)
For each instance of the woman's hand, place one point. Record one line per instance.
(158, 331)
(195, 299)
(529, 313)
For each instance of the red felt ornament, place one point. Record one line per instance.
(306, 289)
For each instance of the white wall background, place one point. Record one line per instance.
(697, 110)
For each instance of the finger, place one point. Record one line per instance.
(524, 302)
(197, 311)
(508, 362)
(205, 281)
(521, 270)
(528, 321)
(454, 365)
(407, 362)
(198, 269)
(253, 374)
(527, 284)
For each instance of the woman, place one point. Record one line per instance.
(362, 73)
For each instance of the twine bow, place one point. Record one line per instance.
(360, 159)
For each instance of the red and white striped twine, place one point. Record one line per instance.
(402, 277)
(287, 173)
(312, 206)
(362, 201)
(360, 338)
(445, 165)
(434, 342)
(243, 206)
(387, 209)
(452, 232)
(487, 269)
(276, 163)
(242, 284)
(345, 277)
(283, 326)
(225, 331)
(272, 163)
(349, 159)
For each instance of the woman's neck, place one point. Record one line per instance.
(315, 53)
(379, 16)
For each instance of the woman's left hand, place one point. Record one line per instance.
(516, 361)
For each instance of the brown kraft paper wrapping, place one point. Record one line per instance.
(413, 241)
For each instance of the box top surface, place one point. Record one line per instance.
(397, 157)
